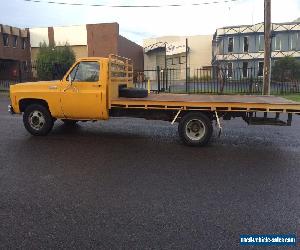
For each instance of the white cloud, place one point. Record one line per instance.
(138, 23)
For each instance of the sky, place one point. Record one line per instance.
(140, 23)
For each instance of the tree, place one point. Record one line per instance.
(53, 62)
(286, 69)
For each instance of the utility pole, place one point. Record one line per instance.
(186, 64)
(165, 70)
(267, 61)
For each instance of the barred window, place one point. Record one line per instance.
(5, 40)
(246, 44)
(23, 43)
(230, 44)
(260, 68)
(261, 43)
(245, 69)
(15, 41)
(229, 69)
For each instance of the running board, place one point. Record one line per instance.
(268, 121)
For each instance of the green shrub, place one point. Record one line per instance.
(53, 62)
(286, 69)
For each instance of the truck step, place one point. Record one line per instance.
(253, 119)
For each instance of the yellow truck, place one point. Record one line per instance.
(100, 88)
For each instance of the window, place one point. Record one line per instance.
(220, 48)
(182, 60)
(245, 69)
(24, 66)
(85, 72)
(277, 43)
(229, 70)
(23, 43)
(260, 68)
(175, 61)
(246, 44)
(230, 44)
(294, 40)
(169, 62)
(5, 39)
(261, 43)
(15, 41)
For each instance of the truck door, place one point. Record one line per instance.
(81, 93)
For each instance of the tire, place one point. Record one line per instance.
(69, 122)
(195, 129)
(38, 120)
(133, 93)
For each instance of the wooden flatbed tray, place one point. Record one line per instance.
(210, 102)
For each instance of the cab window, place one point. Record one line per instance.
(85, 72)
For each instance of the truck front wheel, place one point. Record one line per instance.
(37, 120)
(195, 129)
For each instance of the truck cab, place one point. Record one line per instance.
(83, 94)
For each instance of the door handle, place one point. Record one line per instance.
(96, 85)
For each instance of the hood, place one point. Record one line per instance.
(34, 86)
(43, 83)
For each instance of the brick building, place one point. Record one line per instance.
(89, 40)
(14, 52)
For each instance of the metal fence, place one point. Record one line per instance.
(12, 72)
(213, 80)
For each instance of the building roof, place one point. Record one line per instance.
(259, 27)
(13, 30)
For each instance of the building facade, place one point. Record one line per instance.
(14, 52)
(240, 49)
(88, 41)
(171, 52)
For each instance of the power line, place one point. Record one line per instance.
(132, 6)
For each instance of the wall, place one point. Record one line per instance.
(34, 52)
(102, 39)
(285, 38)
(93, 40)
(72, 35)
(129, 49)
(199, 56)
(80, 51)
(287, 33)
(37, 36)
(11, 53)
(200, 51)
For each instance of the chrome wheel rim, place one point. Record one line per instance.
(36, 120)
(195, 130)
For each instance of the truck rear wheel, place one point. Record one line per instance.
(37, 120)
(195, 129)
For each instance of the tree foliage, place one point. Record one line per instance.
(53, 62)
(286, 69)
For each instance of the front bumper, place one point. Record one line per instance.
(11, 110)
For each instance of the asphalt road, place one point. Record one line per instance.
(131, 184)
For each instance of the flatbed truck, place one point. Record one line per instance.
(99, 88)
